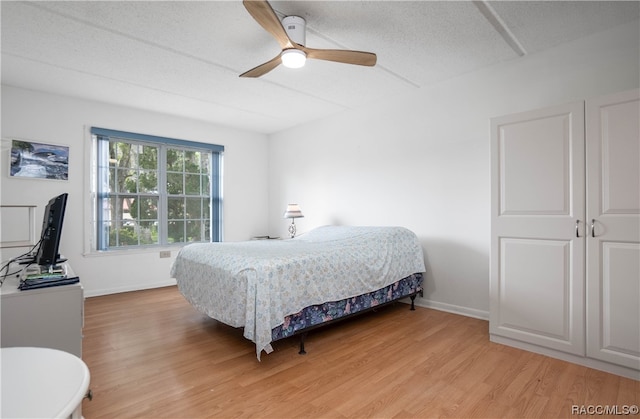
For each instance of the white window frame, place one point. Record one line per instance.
(92, 245)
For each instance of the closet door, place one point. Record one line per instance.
(537, 227)
(613, 243)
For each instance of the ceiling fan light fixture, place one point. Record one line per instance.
(293, 58)
(290, 35)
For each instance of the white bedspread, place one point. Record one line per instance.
(256, 284)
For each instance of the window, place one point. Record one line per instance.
(155, 191)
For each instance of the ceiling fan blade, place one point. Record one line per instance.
(341, 56)
(263, 13)
(263, 69)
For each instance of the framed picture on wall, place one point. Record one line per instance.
(38, 160)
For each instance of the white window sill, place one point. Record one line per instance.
(133, 251)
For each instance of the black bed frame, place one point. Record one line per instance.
(303, 332)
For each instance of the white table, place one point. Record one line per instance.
(42, 383)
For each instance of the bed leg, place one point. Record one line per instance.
(413, 299)
(302, 351)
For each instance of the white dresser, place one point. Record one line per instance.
(44, 317)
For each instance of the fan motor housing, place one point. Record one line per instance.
(295, 27)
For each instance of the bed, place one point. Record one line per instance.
(279, 288)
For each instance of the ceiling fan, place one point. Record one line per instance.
(292, 40)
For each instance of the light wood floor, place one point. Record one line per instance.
(152, 355)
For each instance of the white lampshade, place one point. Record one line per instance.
(293, 58)
(293, 211)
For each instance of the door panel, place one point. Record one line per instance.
(620, 147)
(534, 286)
(535, 172)
(613, 246)
(537, 262)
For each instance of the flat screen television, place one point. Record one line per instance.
(47, 254)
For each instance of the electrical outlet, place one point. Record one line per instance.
(165, 253)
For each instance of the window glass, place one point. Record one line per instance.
(155, 191)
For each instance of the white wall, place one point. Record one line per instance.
(47, 118)
(420, 160)
(423, 160)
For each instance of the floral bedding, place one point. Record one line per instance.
(257, 284)
(334, 310)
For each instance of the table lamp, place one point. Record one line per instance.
(293, 212)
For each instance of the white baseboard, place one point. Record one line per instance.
(575, 359)
(450, 308)
(136, 287)
(484, 315)
(420, 302)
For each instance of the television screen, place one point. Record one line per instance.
(51, 231)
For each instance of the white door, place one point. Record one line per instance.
(537, 227)
(613, 246)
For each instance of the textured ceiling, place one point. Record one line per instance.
(184, 58)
